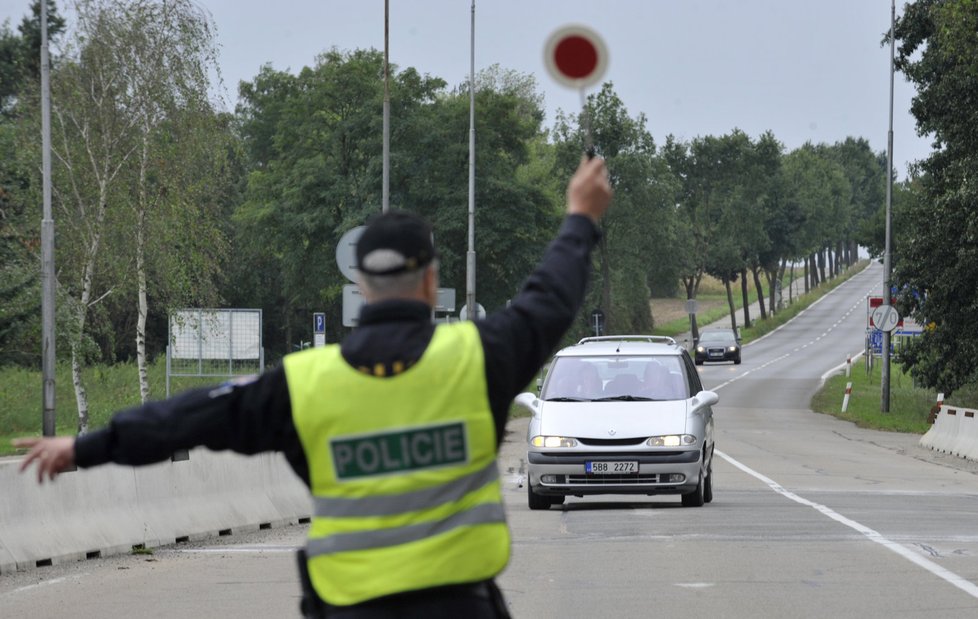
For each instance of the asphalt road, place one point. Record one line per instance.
(812, 517)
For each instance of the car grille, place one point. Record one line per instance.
(715, 352)
(616, 480)
(612, 442)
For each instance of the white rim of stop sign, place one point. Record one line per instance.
(601, 50)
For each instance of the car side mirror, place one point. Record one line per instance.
(705, 398)
(528, 400)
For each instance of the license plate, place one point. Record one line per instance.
(628, 467)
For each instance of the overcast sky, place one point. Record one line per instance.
(808, 70)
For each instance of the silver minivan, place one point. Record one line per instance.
(620, 415)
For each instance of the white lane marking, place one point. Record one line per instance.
(695, 585)
(745, 373)
(870, 534)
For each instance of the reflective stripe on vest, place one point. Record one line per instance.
(402, 469)
(487, 513)
(332, 507)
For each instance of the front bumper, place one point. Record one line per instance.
(721, 354)
(555, 474)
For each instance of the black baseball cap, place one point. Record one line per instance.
(395, 242)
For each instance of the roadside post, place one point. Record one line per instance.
(597, 322)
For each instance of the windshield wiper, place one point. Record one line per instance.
(563, 399)
(623, 398)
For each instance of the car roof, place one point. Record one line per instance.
(633, 345)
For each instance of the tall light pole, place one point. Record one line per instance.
(470, 306)
(386, 189)
(48, 421)
(885, 370)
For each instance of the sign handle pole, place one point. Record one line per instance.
(586, 117)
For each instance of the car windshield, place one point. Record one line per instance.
(626, 378)
(717, 337)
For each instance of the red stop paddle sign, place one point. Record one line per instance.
(576, 56)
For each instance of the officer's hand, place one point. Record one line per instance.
(53, 454)
(589, 192)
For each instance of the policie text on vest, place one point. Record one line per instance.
(404, 450)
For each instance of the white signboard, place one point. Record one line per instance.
(446, 300)
(352, 302)
(215, 334)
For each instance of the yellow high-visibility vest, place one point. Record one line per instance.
(402, 470)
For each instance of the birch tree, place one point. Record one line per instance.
(133, 76)
(169, 46)
(94, 139)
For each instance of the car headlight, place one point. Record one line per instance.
(553, 441)
(732, 349)
(700, 349)
(671, 440)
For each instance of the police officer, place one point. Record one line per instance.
(395, 431)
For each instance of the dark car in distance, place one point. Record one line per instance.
(717, 345)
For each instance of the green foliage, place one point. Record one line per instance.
(20, 54)
(246, 210)
(315, 144)
(938, 265)
(19, 312)
(640, 229)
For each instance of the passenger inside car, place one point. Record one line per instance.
(575, 379)
(623, 384)
(661, 384)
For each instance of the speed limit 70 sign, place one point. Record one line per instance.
(886, 318)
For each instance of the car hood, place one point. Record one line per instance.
(613, 419)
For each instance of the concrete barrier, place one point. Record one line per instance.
(112, 509)
(961, 443)
(954, 431)
(968, 447)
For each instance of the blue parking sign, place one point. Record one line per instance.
(319, 322)
(876, 341)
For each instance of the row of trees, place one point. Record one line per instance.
(163, 200)
(936, 226)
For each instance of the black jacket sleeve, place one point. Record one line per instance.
(519, 339)
(244, 415)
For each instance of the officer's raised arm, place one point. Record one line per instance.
(589, 191)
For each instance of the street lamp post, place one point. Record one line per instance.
(386, 180)
(885, 370)
(48, 418)
(470, 255)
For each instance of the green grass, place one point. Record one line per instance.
(909, 405)
(110, 389)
